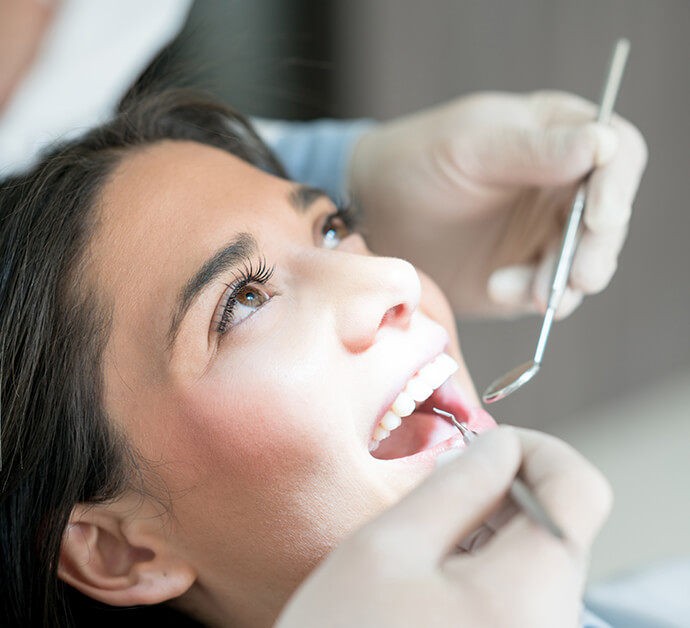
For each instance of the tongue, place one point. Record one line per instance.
(418, 432)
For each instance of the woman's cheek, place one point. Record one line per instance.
(436, 306)
(245, 424)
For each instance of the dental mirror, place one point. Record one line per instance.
(519, 376)
(511, 381)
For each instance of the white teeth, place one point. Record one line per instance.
(403, 405)
(380, 433)
(448, 363)
(390, 421)
(418, 389)
(433, 374)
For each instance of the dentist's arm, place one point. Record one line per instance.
(401, 569)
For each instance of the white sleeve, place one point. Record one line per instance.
(316, 153)
(90, 55)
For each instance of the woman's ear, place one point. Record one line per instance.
(122, 554)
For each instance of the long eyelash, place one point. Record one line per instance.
(351, 215)
(247, 275)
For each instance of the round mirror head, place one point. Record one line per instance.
(510, 382)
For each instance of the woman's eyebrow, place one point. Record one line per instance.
(237, 252)
(302, 197)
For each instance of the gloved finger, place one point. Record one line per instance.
(541, 288)
(613, 186)
(532, 155)
(572, 490)
(494, 522)
(451, 503)
(596, 260)
(523, 558)
(577, 498)
(553, 107)
(476, 539)
(615, 181)
(525, 289)
(510, 288)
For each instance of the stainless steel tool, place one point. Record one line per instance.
(520, 375)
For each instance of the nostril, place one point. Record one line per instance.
(398, 315)
(375, 295)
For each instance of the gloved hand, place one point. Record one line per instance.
(476, 193)
(402, 568)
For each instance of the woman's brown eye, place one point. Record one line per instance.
(334, 231)
(241, 304)
(252, 297)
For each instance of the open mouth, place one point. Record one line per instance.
(410, 426)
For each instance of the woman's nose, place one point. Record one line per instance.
(377, 295)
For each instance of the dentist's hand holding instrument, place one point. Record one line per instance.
(519, 376)
(476, 193)
(401, 569)
(519, 492)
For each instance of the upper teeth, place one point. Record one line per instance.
(418, 389)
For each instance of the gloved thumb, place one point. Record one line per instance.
(554, 155)
(524, 289)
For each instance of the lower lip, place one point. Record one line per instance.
(428, 457)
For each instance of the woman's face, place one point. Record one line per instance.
(256, 346)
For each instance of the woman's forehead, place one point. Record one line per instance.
(174, 176)
(173, 196)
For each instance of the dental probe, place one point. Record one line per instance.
(520, 375)
(519, 492)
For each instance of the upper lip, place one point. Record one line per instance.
(401, 382)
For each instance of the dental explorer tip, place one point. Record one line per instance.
(464, 429)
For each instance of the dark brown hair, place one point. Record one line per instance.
(58, 447)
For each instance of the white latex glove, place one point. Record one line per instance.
(476, 192)
(401, 570)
